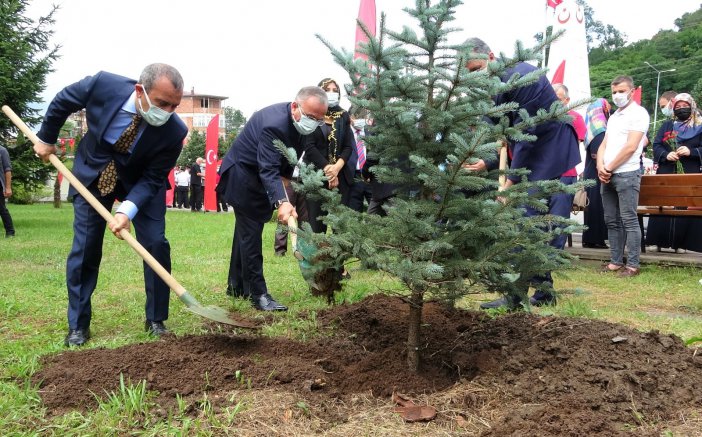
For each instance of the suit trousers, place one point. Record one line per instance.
(560, 205)
(5, 215)
(83, 263)
(359, 193)
(246, 261)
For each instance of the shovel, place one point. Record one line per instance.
(211, 312)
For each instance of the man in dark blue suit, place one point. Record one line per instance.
(132, 143)
(554, 151)
(251, 180)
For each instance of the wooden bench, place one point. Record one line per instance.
(669, 195)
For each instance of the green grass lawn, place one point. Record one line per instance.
(33, 295)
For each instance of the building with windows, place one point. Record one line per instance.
(196, 111)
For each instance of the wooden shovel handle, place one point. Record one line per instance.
(503, 166)
(87, 195)
(292, 231)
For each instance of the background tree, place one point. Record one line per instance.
(445, 235)
(195, 148)
(235, 122)
(25, 60)
(680, 49)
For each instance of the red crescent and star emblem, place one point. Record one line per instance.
(563, 16)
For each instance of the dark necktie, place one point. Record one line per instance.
(108, 177)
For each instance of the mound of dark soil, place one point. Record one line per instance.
(568, 376)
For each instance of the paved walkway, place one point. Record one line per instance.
(652, 256)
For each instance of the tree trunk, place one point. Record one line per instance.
(57, 193)
(414, 330)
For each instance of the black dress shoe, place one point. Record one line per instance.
(508, 303)
(237, 292)
(155, 328)
(545, 300)
(9, 234)
(265, 302)
(77, 337)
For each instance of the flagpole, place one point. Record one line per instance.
(543, 53)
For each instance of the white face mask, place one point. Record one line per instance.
(359, 123)
(155, 116)
(306, 125)
(333, 98)
(621, 99)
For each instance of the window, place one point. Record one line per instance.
(201, 120)
(204, 102)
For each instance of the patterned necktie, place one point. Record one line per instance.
(361, 150)
(108, 177)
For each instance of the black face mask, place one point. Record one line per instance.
(682, 114)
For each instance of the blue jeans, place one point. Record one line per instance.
(620, 198)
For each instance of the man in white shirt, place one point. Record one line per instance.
(182, 181)
(618, 168)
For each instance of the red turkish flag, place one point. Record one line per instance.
(637, 95)
(171, 191)
(211, 147)
(366, 15)
(559, 73)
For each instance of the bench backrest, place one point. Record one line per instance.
(671, 190)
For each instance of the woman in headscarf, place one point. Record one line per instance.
(678, 149)
(596, 118)
(329, 148)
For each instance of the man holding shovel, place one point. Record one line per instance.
(131, 145)
(251, 180)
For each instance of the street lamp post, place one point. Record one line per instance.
(658, 84)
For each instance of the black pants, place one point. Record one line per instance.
(221, 203)
(196, 197)
(181, 196)
(246, 262)
(359, 193)
(6, 217)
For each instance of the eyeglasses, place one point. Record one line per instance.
(319, 122)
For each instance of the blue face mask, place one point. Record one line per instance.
(333, 98)
(306, 125)
(155, 116)
(359, 123)
(667, 110)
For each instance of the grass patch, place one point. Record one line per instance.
(33, 313)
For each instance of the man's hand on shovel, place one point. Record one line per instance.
(120, 221)
(43, 150)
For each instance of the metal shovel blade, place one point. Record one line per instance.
(213, 312)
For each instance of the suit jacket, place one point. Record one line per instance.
(143, 173)
(194, 178)
(555, 149)
(252, 169)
